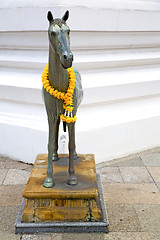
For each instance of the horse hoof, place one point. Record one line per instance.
(48, 183)
(55, 157)
(72, 181)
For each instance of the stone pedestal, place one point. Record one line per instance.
(63, 204)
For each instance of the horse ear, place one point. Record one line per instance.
(65, 16)
(50, 17)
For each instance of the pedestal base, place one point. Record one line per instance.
(63, 208)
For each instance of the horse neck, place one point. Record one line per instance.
(58, 75)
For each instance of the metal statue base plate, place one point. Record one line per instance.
(63, 208)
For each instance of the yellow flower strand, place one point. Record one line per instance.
(66, 97)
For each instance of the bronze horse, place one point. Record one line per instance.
(60, 58)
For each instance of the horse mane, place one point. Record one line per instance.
(59, 22)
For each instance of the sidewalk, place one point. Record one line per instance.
(131, 188)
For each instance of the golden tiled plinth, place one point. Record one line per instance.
(62, 202)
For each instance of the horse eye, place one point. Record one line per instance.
(68, 32)
(53, 34)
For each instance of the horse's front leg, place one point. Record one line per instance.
(52, 147)
(72, 180)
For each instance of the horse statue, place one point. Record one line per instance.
(62, 91)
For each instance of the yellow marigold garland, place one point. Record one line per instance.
(66, 97)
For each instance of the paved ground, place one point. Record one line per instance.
(131, 188)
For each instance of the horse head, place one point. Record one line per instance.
(59, 38)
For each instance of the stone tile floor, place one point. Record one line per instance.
(131, 188)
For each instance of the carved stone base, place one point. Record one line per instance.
(41, 210)
(62, 203)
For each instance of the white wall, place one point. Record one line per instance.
(116, 46)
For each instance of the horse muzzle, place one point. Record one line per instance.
(67, 59)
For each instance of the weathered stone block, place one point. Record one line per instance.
(62, 202)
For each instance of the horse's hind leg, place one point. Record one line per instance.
(53, 124)
(72, 180)
(55, 154)
(75, 155)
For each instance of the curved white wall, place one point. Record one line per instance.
(116, 46)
